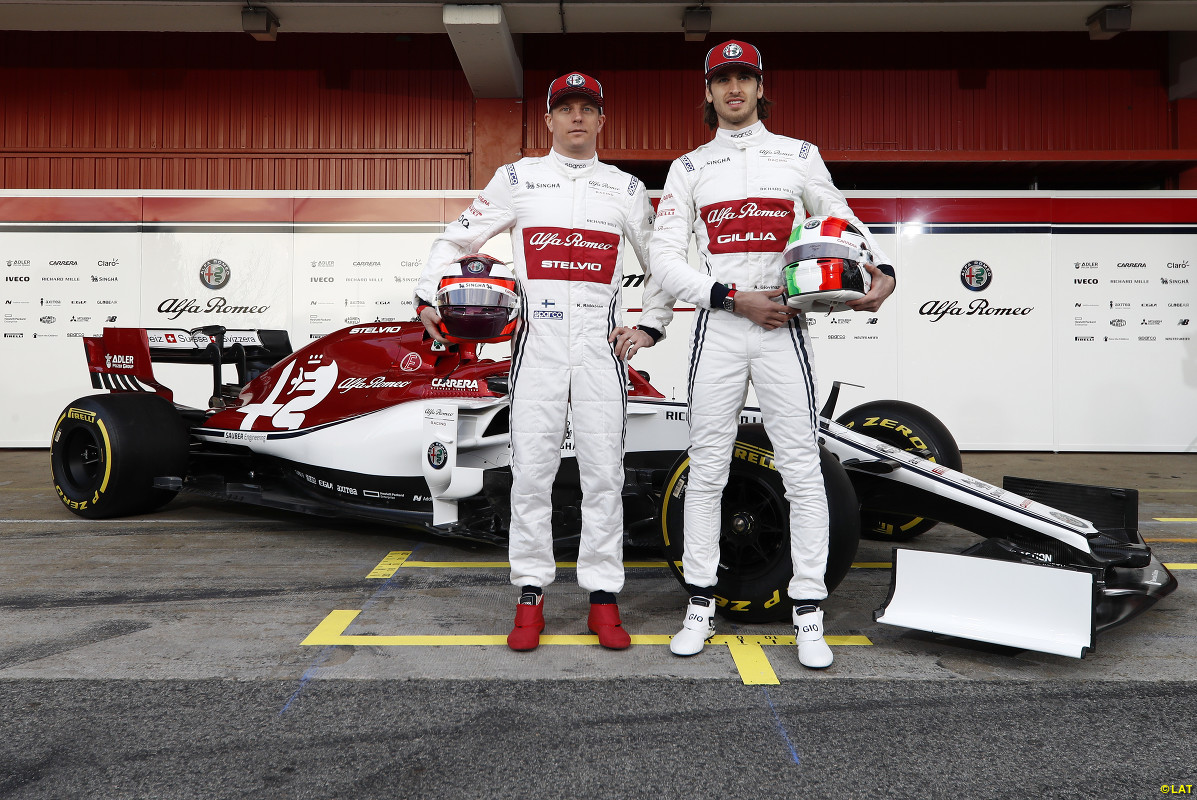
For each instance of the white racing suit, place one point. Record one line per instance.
(568, 221)
(739, 194)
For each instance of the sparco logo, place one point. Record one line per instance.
(1089, 281)
(217, 305)
(215, 274)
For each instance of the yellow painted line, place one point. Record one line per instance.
(1159, 539)
(1181, 566)
(496, 565)
(389, 564)
(746, 651)
(398, 558)
(1175, 519)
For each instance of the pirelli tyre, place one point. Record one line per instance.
(107, 449)
(914, 430)
(754, 563)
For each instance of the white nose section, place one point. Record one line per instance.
(1046, 608)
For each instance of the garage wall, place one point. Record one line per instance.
(1025, 321)
(222, 112)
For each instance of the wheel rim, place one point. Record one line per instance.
(754, 527)
(83, 460)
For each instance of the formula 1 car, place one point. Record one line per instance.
(379, 422)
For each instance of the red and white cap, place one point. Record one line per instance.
(575, 83)
(733, 53)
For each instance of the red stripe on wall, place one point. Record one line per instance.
(219, 209)
(1146, 210)
(372, 209)
(70, 209)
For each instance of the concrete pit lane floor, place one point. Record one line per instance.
(219, 651)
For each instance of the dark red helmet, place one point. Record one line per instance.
(477, 300)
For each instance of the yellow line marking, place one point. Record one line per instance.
(753, 664)
(1158, 539)
(398, 558)
(1181, 566)
(1175, 519)
(390, 564)
(746, 651)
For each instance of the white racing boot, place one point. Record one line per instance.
(813, 652)
(697, 629)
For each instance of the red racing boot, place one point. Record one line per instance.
(529, 622)
(604, 623)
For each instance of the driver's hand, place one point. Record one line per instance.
(764, 308)
(431, 319)
(880, 287)
(629, 341)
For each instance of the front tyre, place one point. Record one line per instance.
(107, 449)
(754, 564)
(914, 430)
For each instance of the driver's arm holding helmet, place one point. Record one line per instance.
(489, 214)
(741, 196)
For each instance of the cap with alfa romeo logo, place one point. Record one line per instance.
(575, 83)
(733, 53)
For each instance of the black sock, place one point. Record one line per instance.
(536, 590)
(602, 598)
(701, 591)
(805, 606)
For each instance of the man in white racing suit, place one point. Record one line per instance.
(740, 195)
(568, 215)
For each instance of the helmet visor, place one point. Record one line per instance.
(477, 294)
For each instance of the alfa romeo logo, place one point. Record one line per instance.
(575, 80)
(976, 275)
(811, 224)
(475, 266)
(732, 51)
(215, 274)
(437, 455)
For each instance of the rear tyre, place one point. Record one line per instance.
(754, 565)
(913, 430)
(107, 449)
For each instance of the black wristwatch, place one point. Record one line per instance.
(729, 302)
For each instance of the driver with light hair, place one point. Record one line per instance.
(569, 216)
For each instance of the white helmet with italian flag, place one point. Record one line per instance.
(824, 269)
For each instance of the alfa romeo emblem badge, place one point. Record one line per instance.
(575, 80)
(475, 266)
(732, 51)
(976, 275)
(215, 274)
(437, 455)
